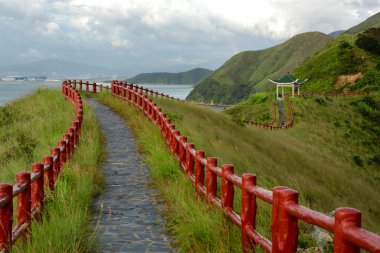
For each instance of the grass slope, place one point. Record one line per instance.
(248, 72)
(330, 156)
(340, 57)
(373, 21)
(29, 128)
(193, 76)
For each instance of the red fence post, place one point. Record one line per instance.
(80, 85)
(24, 207)
(87, 84)
(248, 211)
(94, 87)
(227, 195)
(189, 160)
(211, 179)
(199, 172)
(62, 158)
(6, 216)
(284, 226)
(49, 180)
(55, 152)
(345, 217)
(38, 190)
(182, 152)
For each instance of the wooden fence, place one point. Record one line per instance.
(203, 172)
(31, 186)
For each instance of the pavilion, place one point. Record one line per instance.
(287, 81)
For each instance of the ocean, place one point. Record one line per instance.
(13, 90)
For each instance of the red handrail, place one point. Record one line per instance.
(348, 236)
(31, 186)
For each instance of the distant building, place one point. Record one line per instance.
(24, 78)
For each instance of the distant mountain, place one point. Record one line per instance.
(55, 67)
(247, 72)
(193, 76)
(336, 33)
(373, 21)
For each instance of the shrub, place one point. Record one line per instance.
(370, 40)
(258, 98)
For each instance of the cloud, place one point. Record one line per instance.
(162, 33)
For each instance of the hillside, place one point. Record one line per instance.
(341, 65)
(373, 21)
(193, 76)
(331, 155)
(247, 72)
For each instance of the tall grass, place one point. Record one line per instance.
(316, 157)
(66, 222)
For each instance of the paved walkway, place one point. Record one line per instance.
(127, 212)
(281, 111)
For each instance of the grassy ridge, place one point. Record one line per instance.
(193, 76)
(329, 156)
(340, 56)
(247, 72)
(373, 21)
(32, 128)
(29, 127)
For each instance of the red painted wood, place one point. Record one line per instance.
(37, 189)
(211, 179)
(345, 218)
(24, 205)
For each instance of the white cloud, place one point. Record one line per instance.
(199, 31)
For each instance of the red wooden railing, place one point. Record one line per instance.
(270, 126)
(349, 237)
(31, 187)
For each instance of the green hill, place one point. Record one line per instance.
(373, 21)
(247, 72)
(193, 76)
(341, 65)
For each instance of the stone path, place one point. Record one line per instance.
(127, 212)
(281, 112)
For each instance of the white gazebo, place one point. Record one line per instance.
(287, 81)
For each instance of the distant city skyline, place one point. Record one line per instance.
(162, 35)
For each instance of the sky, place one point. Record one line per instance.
(162, 35)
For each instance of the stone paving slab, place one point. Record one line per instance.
(127, 213)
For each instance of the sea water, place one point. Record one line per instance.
(13, 90)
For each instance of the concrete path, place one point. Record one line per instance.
(281, 112)
(127, 212)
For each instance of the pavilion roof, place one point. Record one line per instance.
(288, 79)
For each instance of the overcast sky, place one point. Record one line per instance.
(144, 35)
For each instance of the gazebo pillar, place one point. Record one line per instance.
(277, 92)
(293, 90)
(282, 92)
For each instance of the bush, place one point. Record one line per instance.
(370, 80)
(258, 98)
(370, 40)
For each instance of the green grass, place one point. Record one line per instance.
(195, 227)
(66, 223)
(330, 156)
(262, 112)
(247, 72)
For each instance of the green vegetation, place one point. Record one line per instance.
(195, 228)
(247, 72)
(193, 76)
(369, 40)
(262, 112)
(340, 57)
(316, 157)
(29, 128)
(373, 21)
